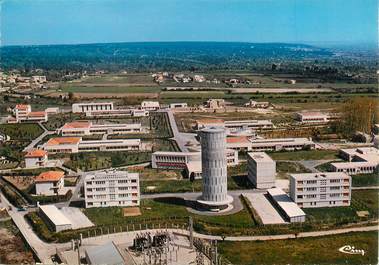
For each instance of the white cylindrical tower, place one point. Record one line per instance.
(214, 168)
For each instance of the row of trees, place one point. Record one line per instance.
(358, 114)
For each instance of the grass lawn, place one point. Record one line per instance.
(319, 250)
(304, 155)
(164, 208)
(365, 180)
(100, 160)
(21, 132)
(362, 200)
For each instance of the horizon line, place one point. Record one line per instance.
(322, 43)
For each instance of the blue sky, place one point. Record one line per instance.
(25, 22)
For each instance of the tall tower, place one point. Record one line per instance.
(214, 169)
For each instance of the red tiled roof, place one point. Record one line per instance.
(63, 140)
(49, 176)
(239, 139)
(36, 153)
(76, 124)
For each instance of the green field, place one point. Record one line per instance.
(318, 250)
(361, 200)
(365, 180)
(110, 89)
(21, 132)
(304, 155)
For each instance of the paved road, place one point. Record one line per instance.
(180, 138)
(39, 138)
(44, 250)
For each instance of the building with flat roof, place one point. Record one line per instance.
(54, 218)
(261, 170)
(178, 105)
(315, 117)
(150, 105)
(82, 128)
(290, 210)
(104, 254)
(278, 144)
(326, 189)
(89, 107)
(36, 158)
(24, 113)
(190, 162)
(363, 160)
(239, 143)
(49, 182)
(76, 144)
(248, 124)
(215, 103)
(235, 125)
(108, 188)
(258, 104)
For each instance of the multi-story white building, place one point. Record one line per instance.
(364, 160)
(150, 105)
(188, 161)
(49, 182)
(81, 128)
(320, 189)
(36, 158)
(261, 170)
(111, 188)
(88, 107)
(76, 144)
(278, 144)
(24, 113)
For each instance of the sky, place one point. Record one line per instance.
(39, 22)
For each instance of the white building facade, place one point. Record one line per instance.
(88, 107)
(327, 189)
(111, 188)
(261, 170)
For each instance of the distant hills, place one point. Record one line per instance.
(157, 55)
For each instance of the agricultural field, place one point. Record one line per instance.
(314, 250)
(21, 132)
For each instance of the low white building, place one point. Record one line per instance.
(215, 103)
(239, 143)
(258, 104)
(111, 188)
(286, 206)
(278, 144)
(314, 117)
(178, 105)
(139, 113)
(81, 128)
(76, 144)
(85, 107)
(49, 182)
(261, 170)
(310, 190)
(36, 158)
(150, 105)
(54, 218)
(188, 161)
(364, 160)
(233, 126)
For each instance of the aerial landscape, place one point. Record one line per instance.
(188, 132)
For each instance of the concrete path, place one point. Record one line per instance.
(39, 138)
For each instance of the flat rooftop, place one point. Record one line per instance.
(320, 175)
(55, 216)
(260, 156)
(285, 202)
(281, 140)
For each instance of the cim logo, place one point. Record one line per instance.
(351, 250)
